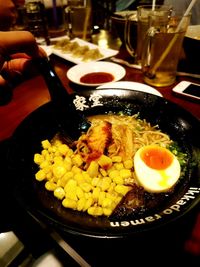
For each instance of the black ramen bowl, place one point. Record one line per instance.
(31, 195)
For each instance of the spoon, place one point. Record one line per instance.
(71, 122)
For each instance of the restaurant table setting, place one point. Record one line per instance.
(164, 232)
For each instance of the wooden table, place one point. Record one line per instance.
(33, 93)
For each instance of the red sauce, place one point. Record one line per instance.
(97, 77)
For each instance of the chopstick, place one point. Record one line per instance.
(193, 75)
(136, 66)
(68, 249)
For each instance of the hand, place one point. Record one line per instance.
(17, 48)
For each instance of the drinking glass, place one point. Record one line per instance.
(79, 18)
(162, 48)
(143, 13)
(35, 19)
(55, 16)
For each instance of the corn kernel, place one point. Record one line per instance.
(75, 169)
(77, 160)
(95, 181)
(52, 149)
(99, 211)
(105, 162)
(88, 203)
(95, 211)
(122, 189)
(59, 193)
(63, 149)
(68, 163)
(95, 193)
(44, 164)
(46, 144)
(56, 153)
(112, 187)
(93, 169)
(79, 192)
(58, 170)
(49, 175)
(106, 203)
(71, 184)
(38, 158)
(106, 182)
(48, 157)
(54, 179)
(68, 159)
(68, 175)
(116, 159)
(128, 164)
(117, 200)
(102, 195)
(86, 187)
(57, 142)
(81, 204)
(111, 169)
(44, 153)
(70, 189)
(113, 174)
(50, 186)
(87, 195)
(92, 211)
(103, 172)
(70, 152)
(58, 159)
(118, 180)
(69, 203)
(63, 181)
(71, 194)
(113, 196)
(40, 175)
(107, 211)
(79, 178)
(125, 173)
(87, 177)
(118, 166)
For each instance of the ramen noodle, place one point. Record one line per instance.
(98, 173)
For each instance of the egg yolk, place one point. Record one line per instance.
(157, 158)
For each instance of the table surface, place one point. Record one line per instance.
(33, 93)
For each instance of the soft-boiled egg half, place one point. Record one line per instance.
(157, 169)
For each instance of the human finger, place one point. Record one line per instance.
(18, 42)
(17, 70)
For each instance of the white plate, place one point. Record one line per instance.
(105, 52)
(76, 72)
(131, 86)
